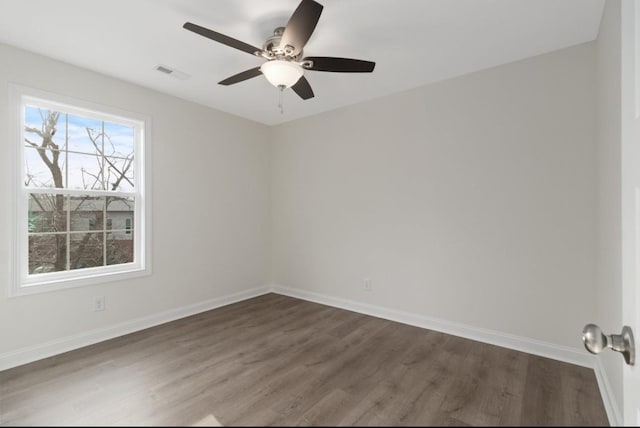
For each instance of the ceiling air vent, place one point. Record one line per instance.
(172, 72)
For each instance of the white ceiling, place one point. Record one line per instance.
(413, 42)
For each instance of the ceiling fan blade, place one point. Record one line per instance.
(303, 89)
(240, 77)
(221, 38)
(340, 65)
(300, 26)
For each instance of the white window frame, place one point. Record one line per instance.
(21, 282)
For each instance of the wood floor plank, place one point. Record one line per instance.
(543, 401)
(329, 410)
(279, 361)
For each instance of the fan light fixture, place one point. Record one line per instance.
(281, 73)
(286, 66)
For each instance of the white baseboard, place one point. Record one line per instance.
(518, 343)
(608, 398)
(65, 344)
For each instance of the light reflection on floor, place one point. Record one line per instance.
(207, 421)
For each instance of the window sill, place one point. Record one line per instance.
(48, 284)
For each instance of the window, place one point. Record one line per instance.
(81, 216)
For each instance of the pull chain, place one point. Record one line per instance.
(281, 87)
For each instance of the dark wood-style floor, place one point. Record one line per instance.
(275, 360)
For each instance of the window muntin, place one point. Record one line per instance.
(81, 217)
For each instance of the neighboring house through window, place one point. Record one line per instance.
(81, 216)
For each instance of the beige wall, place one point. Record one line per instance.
(210, 210)
(470, 200)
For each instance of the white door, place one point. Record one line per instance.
(631, 198)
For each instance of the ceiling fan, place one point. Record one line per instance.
(285, 63)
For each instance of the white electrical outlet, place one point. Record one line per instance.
(367, 285)
(98, 304)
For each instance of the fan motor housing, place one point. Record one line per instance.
(272, 44)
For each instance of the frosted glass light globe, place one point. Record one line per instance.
(281, 73)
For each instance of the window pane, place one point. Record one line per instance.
(119, 249)
(34, 119)
(47, 213)
(119, 140)
(86, 250)
(86, 172)
(47, 253)
(119, 174)
(85, 135)
(40, 123)
(120, 238)
(87, 213)
(120, 210)
(37, 174)
(46, 129)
